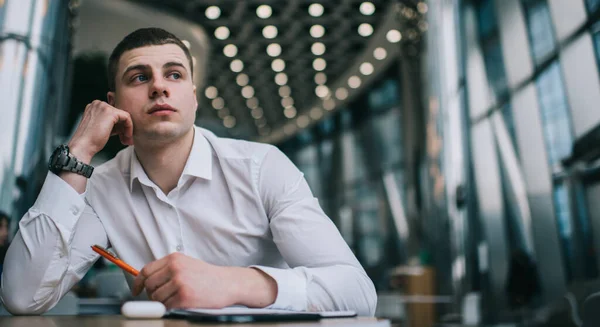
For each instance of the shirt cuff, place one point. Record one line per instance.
(59, 201)
(291, 288)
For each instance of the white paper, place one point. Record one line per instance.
(239, 310)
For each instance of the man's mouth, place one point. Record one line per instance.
(161, 108)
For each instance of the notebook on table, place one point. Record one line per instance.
(244, 315)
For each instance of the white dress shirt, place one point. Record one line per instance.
(237, 203)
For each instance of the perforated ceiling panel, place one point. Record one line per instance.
(268, 58)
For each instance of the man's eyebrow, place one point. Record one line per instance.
(135, 67)
(174, 63)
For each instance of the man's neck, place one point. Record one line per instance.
(164, 164)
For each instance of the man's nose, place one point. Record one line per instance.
(159, 88)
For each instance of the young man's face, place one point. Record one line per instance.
(154, 85)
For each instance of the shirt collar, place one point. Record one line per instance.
(199, 163)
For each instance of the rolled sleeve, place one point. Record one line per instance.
(291, 288)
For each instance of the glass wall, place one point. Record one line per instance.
(351, 159)
(34, 54)
(531, 70)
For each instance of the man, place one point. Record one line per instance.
(211, 222)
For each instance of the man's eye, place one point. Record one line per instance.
(140, 78)
(176, 75)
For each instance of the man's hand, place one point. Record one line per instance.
(100, 121)
(179, 281)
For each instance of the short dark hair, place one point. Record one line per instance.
(143, 37)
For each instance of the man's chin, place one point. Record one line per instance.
(161, 132)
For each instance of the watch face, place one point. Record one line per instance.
(58, 159)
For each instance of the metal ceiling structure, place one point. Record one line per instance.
(276, 67)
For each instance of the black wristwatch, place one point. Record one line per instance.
(61, 159)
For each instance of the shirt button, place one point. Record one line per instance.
(74, 211)
(179, 247)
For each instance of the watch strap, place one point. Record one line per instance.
(78, 167)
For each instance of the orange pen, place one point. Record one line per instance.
(114, 259)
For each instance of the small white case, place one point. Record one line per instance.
(143, 309)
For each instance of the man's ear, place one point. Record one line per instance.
(110, 98)
(195, 98)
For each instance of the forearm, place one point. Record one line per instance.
(33, 267)
(254, 288)
(39, 266)
(341, 287)
(328, 288)
(78, 182)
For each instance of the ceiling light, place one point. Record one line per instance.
(278, 65)
(365, 29)
(242, 79)
(422, 7)
(316, 113)
(264, 11)
(222, 33)
(394, 36)
(287, 102)
(318, 48)
(229, 121)
(230, 50)
(319, 64)
(329, 104)
(247, 91)
(379, 53)
(322, 91)
(367, 8)
(289, 112)
(366, 68)
(316, 9)
(354, 82)
(302, 121)
(281, 79)
(269, 32)
(186, 43)
(252, 103)
(320, 78)
(212, 12)
(257, 113)
(211, 92)
(341, 93)
(317, 31)
(285, 91)
(218, 103)
(236, 66)
(274, 49)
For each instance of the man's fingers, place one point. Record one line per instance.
(138, 284)
(157, 279)
(123, 127)
(164, 292)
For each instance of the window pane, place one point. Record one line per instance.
(592, 5)
(555, 113)
(494, 66)
(561, 205)
(486, 18)
(596, 38)
(384, 95)
(509, 120)
(540, 30)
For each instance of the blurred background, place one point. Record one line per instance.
(454, 143)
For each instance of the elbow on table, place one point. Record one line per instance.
(370, 300)
(17, 303)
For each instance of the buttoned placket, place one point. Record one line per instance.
(172, 198)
